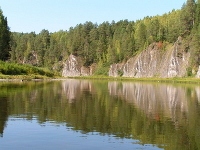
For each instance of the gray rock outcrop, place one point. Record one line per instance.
(155, 62)
(74, 67)
(198, 73)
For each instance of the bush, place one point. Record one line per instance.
(102, 71)
(120, 72)
(23, 69)
(189, 71)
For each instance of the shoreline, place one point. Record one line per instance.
(154, 80)
(21, 80)
(158, 80)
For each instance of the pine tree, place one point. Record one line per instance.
(140, 36)
(187, 17)
(197, 15)
(4, 38)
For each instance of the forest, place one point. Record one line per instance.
(104, 43)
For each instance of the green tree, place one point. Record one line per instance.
(197, 14)
(140, 36)
(196, 46)
(187, 17)
(4, 38)
(172, 26)
(93, 38)
(130, 40)
(42, 43)
(111, 55)
(104, 33)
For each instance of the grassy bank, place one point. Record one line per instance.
(24, 71)
(162, 80)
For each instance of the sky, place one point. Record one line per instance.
(54, 15)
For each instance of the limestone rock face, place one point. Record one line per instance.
(155, 62)
(114, 68)
(74, 67)
(198, 73)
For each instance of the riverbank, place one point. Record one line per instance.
(42, 78)
(162, 80)
(23, 80)
(28, 78)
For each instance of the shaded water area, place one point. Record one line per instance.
(87, 114)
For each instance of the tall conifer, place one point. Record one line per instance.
(4, 37)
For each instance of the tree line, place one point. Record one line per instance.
(104, 43)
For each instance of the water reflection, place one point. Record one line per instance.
(73, 88)
(165, 115)
(3, 114)
(155, 98)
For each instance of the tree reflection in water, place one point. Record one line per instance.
(162, 114)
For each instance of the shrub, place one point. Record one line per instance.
(189, 71)
(120, 72)
(23, 69)
(102, 71)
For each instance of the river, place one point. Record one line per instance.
(96, 114)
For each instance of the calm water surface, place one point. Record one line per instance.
(82, 114)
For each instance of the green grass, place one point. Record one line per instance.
(12, 70)
(101, 71)
(162, 80)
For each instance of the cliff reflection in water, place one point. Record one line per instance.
(153, 99)
(165, 115)
(73, 88)
(161, 114)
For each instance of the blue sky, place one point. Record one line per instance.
(55, 15)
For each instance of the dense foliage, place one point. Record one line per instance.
(109, 43)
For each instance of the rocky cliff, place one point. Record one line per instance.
(155, 61)
(74, 67)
